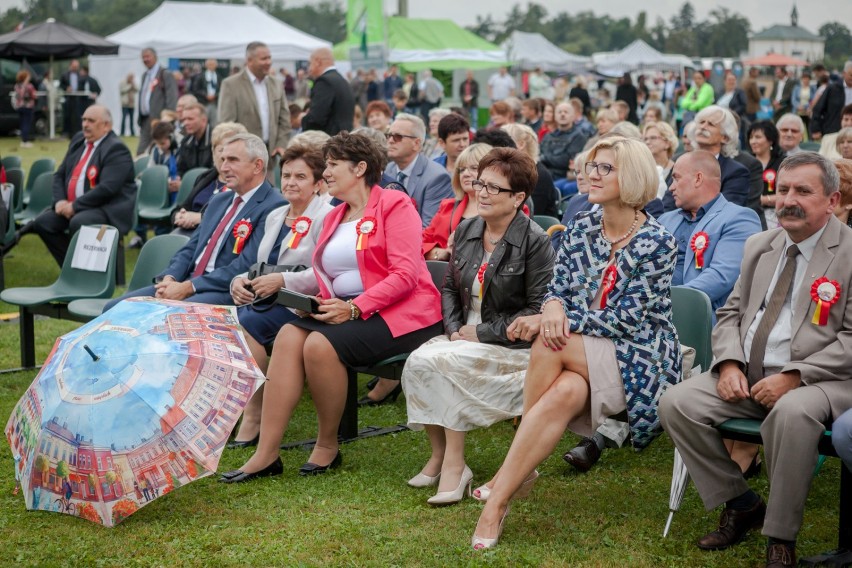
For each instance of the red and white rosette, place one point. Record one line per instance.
(92, 175)
(242, 230)
(608, 283)
(480, 275)
(699, 243)
(300, 228)
(154, 84)
(825, 293)
(365, 227)
(769, 176)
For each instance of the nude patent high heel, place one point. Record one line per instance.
(456, 495)
(479, 543)
(483, 492)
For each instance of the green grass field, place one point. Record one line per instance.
(364, 514)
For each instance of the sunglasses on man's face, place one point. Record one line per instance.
(397, 137)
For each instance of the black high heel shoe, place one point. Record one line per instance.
(243, 444)
(314, 469)
(391, 397)
(239, 476)
(754, 467)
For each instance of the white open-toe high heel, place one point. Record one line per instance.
(456, 495)
(423, 480)
(483, 492)
(479, 543)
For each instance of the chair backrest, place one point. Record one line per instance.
(140, 165)
(15, 176)
(41, 196)
(186, 184)
(39, 167)
(810, 146)
(154, 188)
(77, 283)
(693, 319)
(154, 258)
(438, 269)
(11, 162)
(9, 235)
(545, 221)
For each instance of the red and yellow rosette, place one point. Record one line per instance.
(365, 227)
(480, 275)
(608, 283)
(300, 228)
(825, 293)
(92, 175)
(242, 230)
(769, 176)
(699, 243)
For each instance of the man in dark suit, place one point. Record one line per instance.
(469, 95)
(158, 92)
(427, 182)
(826, 116)
(225, 243)
(782, 92)
(332, 102)
(93, 185)
(716, 132)
(71, 83)
(205, 86)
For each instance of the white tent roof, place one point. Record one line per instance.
(531, 50)
(222, 31)
(638, 55)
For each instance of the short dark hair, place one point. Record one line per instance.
(312, 156)
(294, 109)
(494, 137)
(357, 148)
(846, 110)
(515, 165)
(532, 104)
(770, 131)
(254, 46)
(452, 124)
(378, 106)
(162, 130)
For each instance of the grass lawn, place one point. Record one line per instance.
(364, 513)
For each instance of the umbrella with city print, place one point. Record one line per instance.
(130, 406)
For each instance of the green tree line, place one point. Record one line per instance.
(724, 33)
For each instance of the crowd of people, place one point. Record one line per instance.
(568, 329)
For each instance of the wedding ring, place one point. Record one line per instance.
(517, 333)
(546, 330)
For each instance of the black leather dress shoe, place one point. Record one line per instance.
(584, 456)
(233, 444)
(314, 469)
(733, 526)
(237, 476)
(780, 555)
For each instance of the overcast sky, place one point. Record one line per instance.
(761, 13)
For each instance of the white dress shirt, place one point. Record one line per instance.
(259, 86)
(212, 264)
(150, 77)
(80, 188)
(778, 343)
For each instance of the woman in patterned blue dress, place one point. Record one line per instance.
(605, 342)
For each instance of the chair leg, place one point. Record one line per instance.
(348, 429)
(845, 530)
(27, 331)
(120, 276)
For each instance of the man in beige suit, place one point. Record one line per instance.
(256, 100)
(774, 360)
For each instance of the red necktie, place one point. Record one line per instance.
(78, 171)
(211, 244)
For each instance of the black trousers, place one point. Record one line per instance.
(56, 231)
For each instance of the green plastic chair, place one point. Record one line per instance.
(40, 166)
(41, 197)
(153, 196)
(810, 146)
(546, 221)
(140, 165)
(153, 259)
(692, 316)
(186, 184)
(11, 162)
(15, 176)
(52, 301)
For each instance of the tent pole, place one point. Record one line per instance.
(51, 101)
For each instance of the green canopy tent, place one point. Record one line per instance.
(416, 44)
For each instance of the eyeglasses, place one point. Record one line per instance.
(397, 137)
(470, 169)
(490, 188)
(791, 130)
(651, 139)
(602, 169)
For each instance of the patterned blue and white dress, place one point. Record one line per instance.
(637, 317)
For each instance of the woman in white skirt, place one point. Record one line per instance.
(473, 376)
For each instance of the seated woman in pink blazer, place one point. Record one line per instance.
(377, 300)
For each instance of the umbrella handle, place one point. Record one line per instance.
(668, 524)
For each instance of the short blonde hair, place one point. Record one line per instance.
(313, 138)
(844, 168)
(225, 130)
(625, 130)
(634, 167)
(523, 134)
(609, 114)
(666, 132)
(469, 156)
(844, 134)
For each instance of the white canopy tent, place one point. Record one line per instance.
(531, 50)
(193, 30)
(635, 57)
